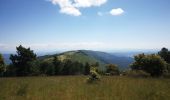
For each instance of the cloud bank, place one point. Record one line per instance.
(71, 7)
(55, 46)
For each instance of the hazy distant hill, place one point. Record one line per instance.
(84, 56)
(6, 58)
(132, 53)
(107, 58)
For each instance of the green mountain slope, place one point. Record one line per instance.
(91, 57)
(75, 56)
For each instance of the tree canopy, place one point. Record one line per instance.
(22, 59)
(1, 60)
(152, 64)
(2, 65)
(165, 54)
(112, 69)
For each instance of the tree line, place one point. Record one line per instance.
(154, 64)
(26, 63)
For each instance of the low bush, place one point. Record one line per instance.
(94, 77)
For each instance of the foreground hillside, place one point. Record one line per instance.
(76, 88)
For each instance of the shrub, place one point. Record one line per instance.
(94, 76)
(152, 64)
(112, 69)
(165, 54)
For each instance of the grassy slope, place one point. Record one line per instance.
(76, 56)
(75, 88)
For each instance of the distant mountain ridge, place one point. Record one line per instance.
(84, 56)
(107, 58)
(91, 57)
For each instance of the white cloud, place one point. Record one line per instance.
(70, 11)
(88, 3)
(117, 11)
(71, 7)
(66, 7)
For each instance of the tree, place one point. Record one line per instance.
(10, 70)
(57, 64)
(2, 65)
(76, 68)
(34, 68)
(1, 60)
(152, 64)
(112, 69)
(165, 54)
(67, 66)
(72, 68)
(96, 64)
(87, 69)
(21, 60)
(138, 64)
(168, 68)
(47, 68)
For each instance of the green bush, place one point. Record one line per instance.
(94, 76)
(112, 69)
(152, 64)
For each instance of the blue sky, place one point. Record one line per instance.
(54, 25)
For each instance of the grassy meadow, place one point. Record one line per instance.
(76, 88)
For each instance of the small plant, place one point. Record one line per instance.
(94, 76)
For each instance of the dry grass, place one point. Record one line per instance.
(76, 88)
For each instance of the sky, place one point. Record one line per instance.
(56, 25)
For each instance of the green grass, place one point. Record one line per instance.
(76, 88)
